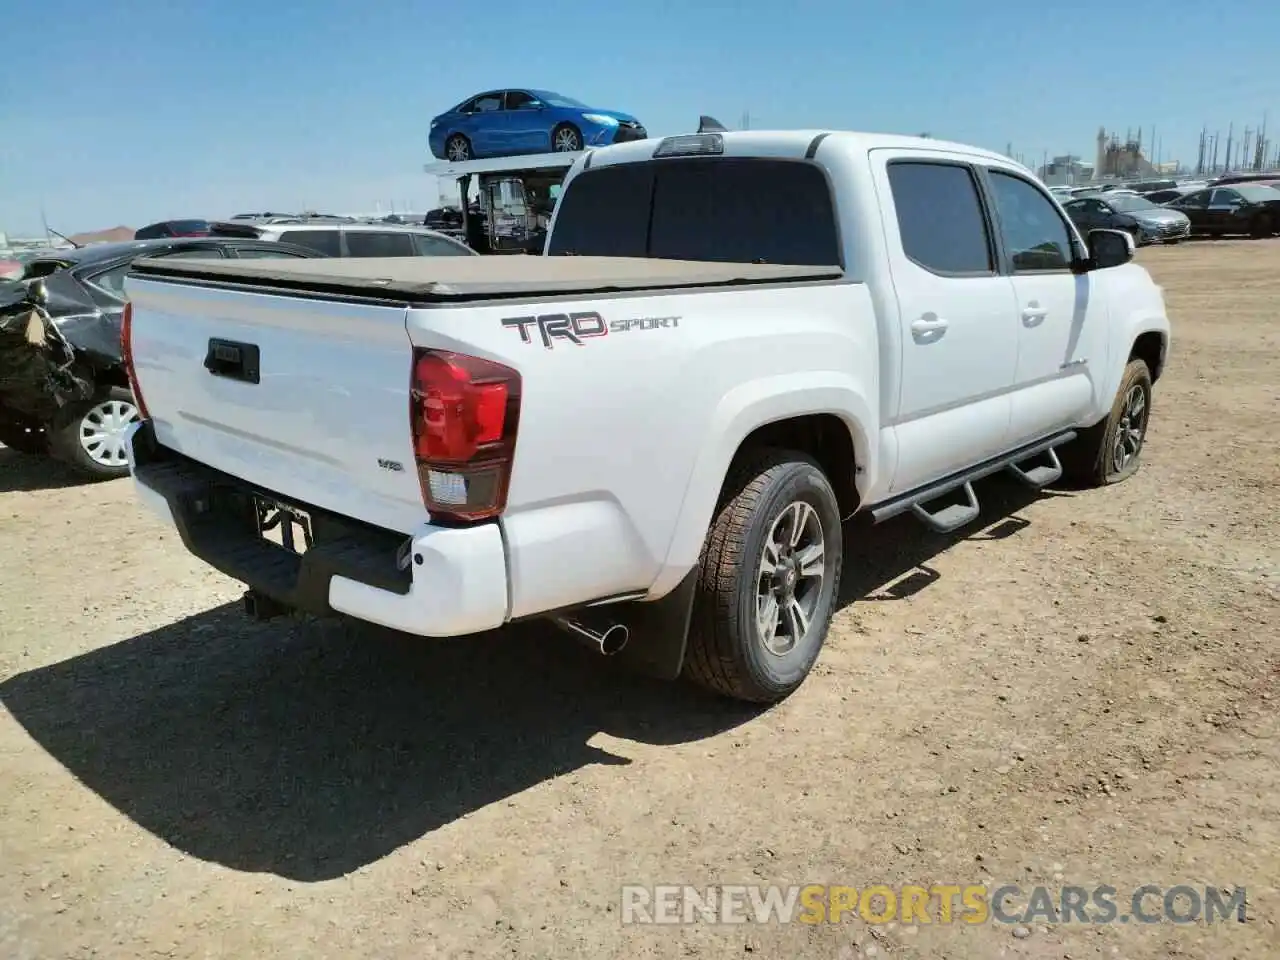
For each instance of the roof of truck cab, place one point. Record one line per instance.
(795, 143)
(467, 278)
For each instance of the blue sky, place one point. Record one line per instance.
(140, 110)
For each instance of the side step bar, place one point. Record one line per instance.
(953, 517)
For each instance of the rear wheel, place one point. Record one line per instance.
(1109, 451)
(1261, 226)
(769, 578)
(94, 443)
(457, 148)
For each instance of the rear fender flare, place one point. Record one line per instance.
(741, 411)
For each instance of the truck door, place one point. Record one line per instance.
(1062, 331)
(959, 340)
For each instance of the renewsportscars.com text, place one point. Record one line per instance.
(936, 903)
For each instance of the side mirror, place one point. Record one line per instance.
(1109, 248)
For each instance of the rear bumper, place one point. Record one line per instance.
(454, 582)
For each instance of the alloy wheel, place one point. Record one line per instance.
(1131, 429)
(789, 582)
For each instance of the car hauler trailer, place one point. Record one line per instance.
(516, 195)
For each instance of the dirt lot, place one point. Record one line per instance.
(1083, 691)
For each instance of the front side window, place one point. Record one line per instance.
(940, 217)
(1035, 235)
(1198, 199)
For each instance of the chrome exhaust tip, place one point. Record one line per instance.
(607, 641)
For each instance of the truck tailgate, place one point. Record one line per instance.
(305, 397)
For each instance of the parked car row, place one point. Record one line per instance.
(1245, 205)
(63, 388)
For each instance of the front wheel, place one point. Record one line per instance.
(1109, 451)
(769, 578)
(94, 443)
(566, 139)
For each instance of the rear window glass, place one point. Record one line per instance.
(728, 210)
(324, 241)
(370, 243)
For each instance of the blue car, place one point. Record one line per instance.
(506, 123)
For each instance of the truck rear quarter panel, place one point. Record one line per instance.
(625, 437)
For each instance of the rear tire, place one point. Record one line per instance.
(1110, 451)
(1261, 228)
(93, 442)
(777, 506)
(457, 149)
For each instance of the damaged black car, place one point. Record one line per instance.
(63, 389)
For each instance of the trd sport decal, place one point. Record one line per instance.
(579, 327)
(574, 327)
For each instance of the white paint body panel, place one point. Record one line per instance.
(624, 441)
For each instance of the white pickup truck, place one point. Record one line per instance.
(652, 433)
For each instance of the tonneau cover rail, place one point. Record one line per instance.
(451, 279)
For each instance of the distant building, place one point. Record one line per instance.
(1122, 159)
(1065, 171)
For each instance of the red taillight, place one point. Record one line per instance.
(126, 355)
(464, 412)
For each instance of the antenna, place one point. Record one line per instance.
(711, 125)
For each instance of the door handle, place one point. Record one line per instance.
(928, 324)
(1033, 315)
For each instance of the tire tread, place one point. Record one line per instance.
(710, 660)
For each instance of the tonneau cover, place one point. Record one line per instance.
(469, 278)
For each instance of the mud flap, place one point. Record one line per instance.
(659, 632)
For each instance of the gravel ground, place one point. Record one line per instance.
(1081, 691)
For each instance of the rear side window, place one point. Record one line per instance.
(436, 247)
(729, 210)
(194, 253)
(940, 218)
(323, 241)
(263, 253)
(370, 243)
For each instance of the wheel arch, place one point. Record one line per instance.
(1150, 346)
(823, 415)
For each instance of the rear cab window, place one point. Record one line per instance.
(725, 209)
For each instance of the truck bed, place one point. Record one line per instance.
(455, 279)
